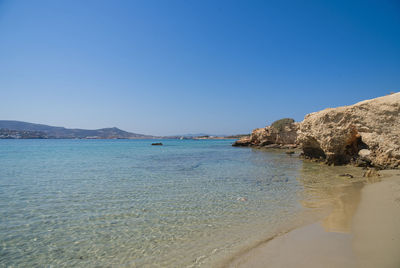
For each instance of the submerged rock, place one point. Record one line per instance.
(367, 132)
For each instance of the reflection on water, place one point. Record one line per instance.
(344, 207)
(325, 189)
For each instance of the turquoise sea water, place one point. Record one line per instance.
(102, 203)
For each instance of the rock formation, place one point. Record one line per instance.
(281, 134)
(366, 133)
(245, 141)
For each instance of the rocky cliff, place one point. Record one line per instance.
(366, 133)
(281, 133)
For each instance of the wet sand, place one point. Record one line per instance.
(362, 231)
(376, 225)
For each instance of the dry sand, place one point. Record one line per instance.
(368, 236)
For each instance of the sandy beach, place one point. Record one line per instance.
(360, 232)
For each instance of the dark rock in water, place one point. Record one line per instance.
(156, 143)
(290, 152)
(346, 175)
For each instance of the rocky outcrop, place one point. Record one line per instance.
(366, 133)
(245, 141)
(281, 134)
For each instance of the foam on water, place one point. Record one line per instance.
(87, 203)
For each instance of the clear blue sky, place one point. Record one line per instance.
(170, 67)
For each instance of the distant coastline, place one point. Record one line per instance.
(10, 129)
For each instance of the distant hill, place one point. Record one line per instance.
(21, 134)
(68, 133)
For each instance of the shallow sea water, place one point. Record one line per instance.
(125, 203)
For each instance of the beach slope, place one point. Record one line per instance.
(373, 241)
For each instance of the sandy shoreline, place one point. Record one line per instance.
(361, 232)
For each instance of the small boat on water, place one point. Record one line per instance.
(157, 143)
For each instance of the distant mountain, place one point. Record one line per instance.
(68, 133)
